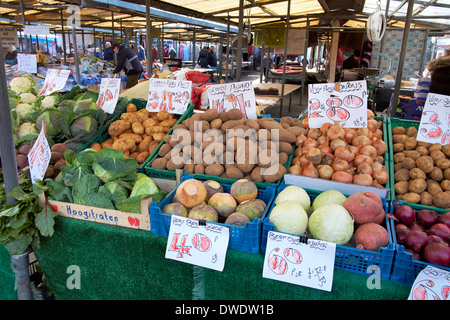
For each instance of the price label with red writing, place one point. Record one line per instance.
(109, 94)
(173, 96)
(55, 80)
(192, 242)
(39, 157)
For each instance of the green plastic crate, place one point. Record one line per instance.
(392, 123)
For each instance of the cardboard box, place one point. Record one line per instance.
(140, 221)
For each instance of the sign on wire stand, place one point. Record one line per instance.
(54, 80)
(173, 96)
(435, 121)
(39, 157)
(109, 94)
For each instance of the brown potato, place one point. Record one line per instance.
(165, 148)
(163, 115)
(215, 169)
(398, 147)
(408, 163)
(168, 123)
(417, 186)
(141, 157)
(107, 144)
(150, 122)
(118, 127)
(433, 187)
(398, 157)
(216, 124)
(398, 130)
(425, 163)
(411, 197)
(423, 151)
(96, 146)
(401, 175)
(416, 173)
(442, 199)
(131, 117)
(445, 185)
(234, 173)
(437, 154)
(399, 138)
(401, 187)
(158, 137)
(131, 108)
(443, 163)
(413, 154)
(446, 150)
(123, 144)
(411, 132)
(273, 173)
(145, 143)
(410, 143)
(434, 147)
(436, 174)
(136, 137)
(447, 174)
(137, 128)
(398, 166)
(426, 198)
(199, 169)
(152, 146)
(159, 163)
(172, 165)
(210, 114)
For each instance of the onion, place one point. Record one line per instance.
(427, 217)
(340, 165)
(364, 168)
(310, 171)
(416, 240)
(372, 125)
(297, 152)
(441, 230)
(370, 114)
(325, 148)
(361, 141)
(314, 133)
(342, 176)
(295, 169)
(415, 255)
(415, 226)
(327, 158)
(360, 158)
(433, 239)
(336, 132)
(364, 132)
(368, 151)
(296, 161)
(305, 123)
(404, 213)
(379, 159)
(437, 253)
(377, 166)
(314, 156)
(378, 134)
(300, 140)
(349, 134)
(363, 179)
(381, 176)
(310, 142)
(401, 230)
(380, 146)
(336, 143)
(322, 140)
(304, 162)
(325, 171)
(445, 218)
(344, 153)
(354, 149)
(325, 127)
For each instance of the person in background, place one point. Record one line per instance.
(203, 58)
(172, 53)
(108, 54)
(154, 53)
(440, 75)
(211, 60)
(11, 55)
(141, 52)
(350, 63)
(127, 60)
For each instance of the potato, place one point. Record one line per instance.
(442, 199)
(411, 197)
(152, 146)
(150, 122)
(263, 135)
(123, 144)
(416, 173)
(285, 147)
(445, 185)
(158, 137)
(136, 137)
(215, 169)
(436, 174)
(287, 136)
(256, 175)
(398, 166)
(172, 165)
(408, 163)
(411, 132)
(273, 173)
(417, 186)
(423, 151)
(234, 114)
(165, 148)
(398, 157)
(401, 187)
(434, 147)
(413, 154)
(107, 144)
(199, 169)
(216, 124)
(137, 128)
(443, 163)
(446, 150)
(399, 138)
(253, 124)
(210, 114)
(398, 147)
(131, 107)
(141, 157)
(143, 113)
(447, 174)
(131, 117)
(189, 167)
(401, 175)
(168, 123)
(425, 163)
(437, 154)
(270, 124)
(163, 115)
(234, 173)
(96, 146)
(398, 130)
(410, 143)
(433, 188)
(118, 127)
(426, 198)
(144, 144)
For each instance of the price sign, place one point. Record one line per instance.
(27, 63)
(290, 260)
(54, 80)
(431, 284)
(173, 96)
(237, 95)
(39, 157)
(435, 121)
(36, 30)
(343, 102)
(109, 94)
(197, 244)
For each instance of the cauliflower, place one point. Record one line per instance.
(49, 101)
(23, 109)
(22, 84)
(28, 97)
(26, 128)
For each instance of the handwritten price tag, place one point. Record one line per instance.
(27, 63)
(435, 121)
(39, 157)
(54, 80)
(109, 94)
(348, 106)
(431, 284)
(236, 95)
(200, 245)
(309, 264)
(173, 96)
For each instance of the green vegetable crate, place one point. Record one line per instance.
(393, 123)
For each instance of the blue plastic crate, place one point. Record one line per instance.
(347, 258)
(405, 269)
(243, 238)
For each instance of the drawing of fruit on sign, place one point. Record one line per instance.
(430, 117)
(293, 255)
(423, 291)
(201, 242)
(314, 105)
(276, 263)
(134, 221)
(335, 112)
(352, 101)
(430, 131)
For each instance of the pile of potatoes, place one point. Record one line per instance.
(421, 170)
(138, 132)
(205, 153)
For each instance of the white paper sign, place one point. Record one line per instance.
(109, 94)
(348, 106)
(290, 260)
(431, 284)
(173, 96)
(54, 80)
(435, 121)
(27, 63)
(236, 95)
(39, 157)
(200, 245)
(36, 30)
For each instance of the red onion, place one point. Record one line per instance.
(415, 226)
(404, 213)
(416, 240)
(441, 230)
(427, 217)
(437, 253)
(445, 218)
(401, 231)
(432, 239)
(415, 255)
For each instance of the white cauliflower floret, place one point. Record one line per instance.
(28, 97)
(48, 102)
(23, 109)
(26, 128)
(21, 84)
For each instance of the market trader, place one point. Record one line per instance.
(108, 54)
(128, 60)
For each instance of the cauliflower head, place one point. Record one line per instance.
(22, 84)
(23, 109)
(49, 101)
(25, 129)
(28, 97)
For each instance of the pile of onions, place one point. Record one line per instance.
(425, 234)
(349, 155)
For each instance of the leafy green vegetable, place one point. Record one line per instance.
(144, 186)
(53, 117)
(110, 165)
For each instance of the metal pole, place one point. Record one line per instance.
(82, 41)
(63, 37)
(305, 50)
(194, 60)
(239, 46)
(148, 23)
(228, 51)
(261, 63)
(398, 79)
(383, 41)
(95, 43)
(75, 50)
(22, 8)
(283, 80)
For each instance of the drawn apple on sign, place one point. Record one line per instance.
(277, 264)
(335, 112)
(134, 221)
(314, 105)
(201, 242)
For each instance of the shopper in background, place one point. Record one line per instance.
(128, 60)
(440, 75)
(350, 63)
(203, 58)
(172, 53)
(211, 60)
(141, 52)
(11, 55)
(108, 54)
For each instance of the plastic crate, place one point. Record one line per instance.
(347, 258)
(243, 238)
(392, 123)
(405, 268)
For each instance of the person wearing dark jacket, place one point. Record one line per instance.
(11, 56)
(128, 60)
(108, 54)
(211, 58)
(203, 57)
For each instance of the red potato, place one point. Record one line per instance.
(365, 207)
(371, 236)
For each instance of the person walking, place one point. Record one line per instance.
(128, 60)
(203, 58)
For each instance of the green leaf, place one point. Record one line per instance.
(10, 212)
(99, 201)
(69, 156)
(59, 191)
(45, 221)
(19, 245)
(72, 174)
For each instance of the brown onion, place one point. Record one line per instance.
(297, 152)
(349, 135)
(342, 176)
(324, 127)
(314, 133)
(364, 132)
(363, 179)
(360, 158)
(304, 162)
(336, 143)
(354, 149)
(295, 169)
(370, 114)
(300, 140)
(344, 153)
(381, 176)
(368, 151)
(372, 125)
(310, 142)
(322, 140)
(380, 146)
(336, 132)
(340, 165)
(328, 159)
(310, 171)
(361, 141)
(296, 161)
(377, 166)
(314, 156)
(325, 171)
(364, 168)
(305, 122)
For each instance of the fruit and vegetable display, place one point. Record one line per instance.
(349, 155)
(225, 144)
(355, 220)
(102, 179)
(424, 233)
(207, 200)
(421, 169)
(137, 133)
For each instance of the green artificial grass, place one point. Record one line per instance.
(7, 278)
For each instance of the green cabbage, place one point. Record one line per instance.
(53, 117)
(85, 125)
(110, 165)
